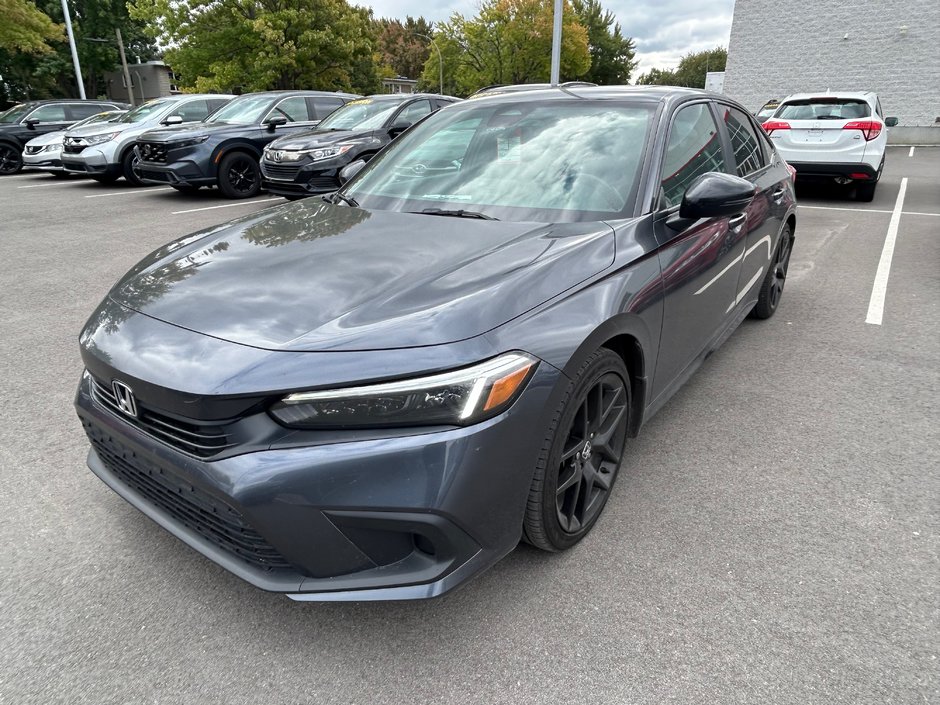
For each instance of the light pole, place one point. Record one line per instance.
(127, 73)
(440, 58)
(78, 68)
(556, 43)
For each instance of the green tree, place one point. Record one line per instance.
(657, 77)
(691, 70)
(400, 46)
(253, 45)
(612, 54)
(25, 28)
(509, 41)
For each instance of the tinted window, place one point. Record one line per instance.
(49, 113)
(325, 106)
(80, 111)
(192, 111)
(294, 109)
(216, 103)
(824, 109)
(244, 110)
(414, 112)
(145, 111)
(693, 149)
(363, 113)
(14, 114)
(748, 155)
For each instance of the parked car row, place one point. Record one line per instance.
(837, 137)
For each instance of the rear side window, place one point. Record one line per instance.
(824, 108)
(694, 148)
(325, 106)
(193, 110)
(294, 109)
(80, 111)
(414, 112)
(49, 113)
(748, 155)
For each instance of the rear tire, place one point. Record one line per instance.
(239, 175)
(771, 289)
(580, 456)
(865, 192)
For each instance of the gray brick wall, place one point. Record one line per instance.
(780, 47)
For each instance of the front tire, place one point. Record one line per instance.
(239, 175)
(771, 288)
(129, 168)
(11, 160)
(581, 455)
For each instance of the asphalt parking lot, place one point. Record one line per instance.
(773, 537)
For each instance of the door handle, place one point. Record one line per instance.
(737, 221)
(778, 195)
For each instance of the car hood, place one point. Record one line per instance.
(105, 128)
(48, 138)
(317, 138)
(310, 276)
(172, 133)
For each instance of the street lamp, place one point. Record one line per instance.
(127, 73)
(78, 68)
(440, 59)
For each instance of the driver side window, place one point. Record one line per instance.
(49, 113)
(694, 148)
(294, 109)
(413, 112)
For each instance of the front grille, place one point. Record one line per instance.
(196, 509)
(33, 150)
(201, 440)
(324, 183)
(153, 152)
(70, 148)
(285, 172)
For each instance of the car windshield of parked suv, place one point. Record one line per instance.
(824, 109)
(363, 114)
(14, 114)
(543, 162)
(142, 112)
(246, 110)
(110, 116)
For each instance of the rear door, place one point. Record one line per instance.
(701, 259)
(814, 129)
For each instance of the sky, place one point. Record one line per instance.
(663, 30)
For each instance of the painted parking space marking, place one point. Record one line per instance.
(226, 205)
(56, 183)
(130, 192)
(867, 210)
(876, 305)
(911, 153)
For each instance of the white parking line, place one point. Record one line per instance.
(130, 192)
(866, 210)
(876, 306)
(911, 153)
(55, 183)
(225, 205)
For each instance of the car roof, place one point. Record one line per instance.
(288, 93)
(401, 97)
(854, 95)
(634, 93)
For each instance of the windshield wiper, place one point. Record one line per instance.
(349, 201)
(455, 213)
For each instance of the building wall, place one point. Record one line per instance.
(150, 80)
(891, 47)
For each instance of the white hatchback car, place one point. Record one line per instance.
(837, 136)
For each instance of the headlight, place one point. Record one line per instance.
(187, 143)
(100, 139)
(328, 152)
(54, 147)
(457, 398)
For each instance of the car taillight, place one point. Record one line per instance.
(772, 125)
(870, 128)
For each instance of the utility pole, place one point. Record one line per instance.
(127, 73)
(556, 43)
(440, 59)
(78, 68)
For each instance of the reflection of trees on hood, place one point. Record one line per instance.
(303, 222)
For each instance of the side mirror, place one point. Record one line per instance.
(714, 195)
(273, 123)
(31, 123)
(350, 170)
(398, 128)
(891, 122)
(174, 120)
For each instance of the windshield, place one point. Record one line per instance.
(245, 110)
(363, 114)
(110, 116)
(13, 114)
(544, 162)
(142, 112)
(824, 109)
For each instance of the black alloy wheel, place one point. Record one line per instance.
(11, 161)
(771, 290)
(582, 456)
(239, 176)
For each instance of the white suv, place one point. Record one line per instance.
(839, 136)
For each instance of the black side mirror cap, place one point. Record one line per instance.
(350, 170)
(891, 122)
(716, 194)
(397, 129)
(274, 122)
(31, 123)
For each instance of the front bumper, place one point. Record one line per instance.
(303, 179)
(393, 518)
(182, 173)
(94, 161)
(46, 161)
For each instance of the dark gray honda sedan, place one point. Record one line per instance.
(377, 394)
